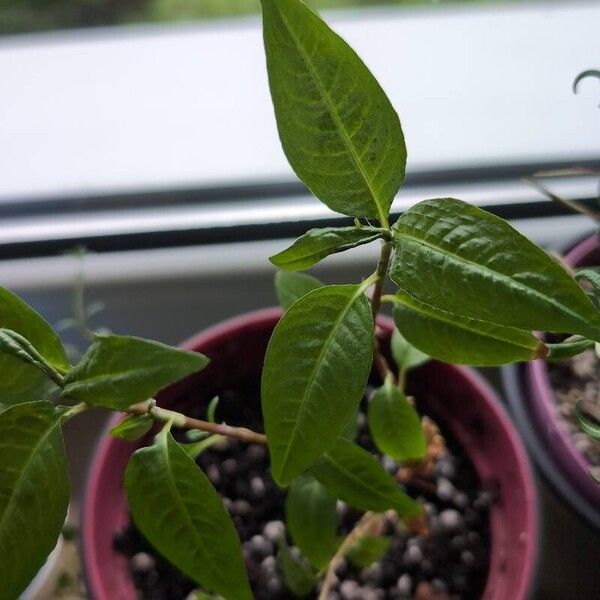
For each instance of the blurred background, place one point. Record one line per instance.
(142, 131)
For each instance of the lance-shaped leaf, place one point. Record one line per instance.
(457, 339)
(367, 549)
(133, 427)
(395, 425)
(355, 476)
(338, 129)
(34, 491)
(463, 260)
(180, 513)
(20, 381)
(297, 574)
(315, 373)
(316, 244)
(312, 520)
(118, 371)
(291, 286)
(405, 355)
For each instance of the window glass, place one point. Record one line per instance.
(23, 16)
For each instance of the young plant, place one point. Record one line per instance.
(469, 289)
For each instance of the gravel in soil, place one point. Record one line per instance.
(573, 380)
(450, 562)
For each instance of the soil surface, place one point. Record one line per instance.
(578, 379)
(449, 562)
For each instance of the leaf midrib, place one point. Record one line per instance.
(313, 373)
(181, 504)
(478, 267)
(435, 312)
(357, 480)
(332, 110)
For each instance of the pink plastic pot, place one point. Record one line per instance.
(544, 412)
(470, 411)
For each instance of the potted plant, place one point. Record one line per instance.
(555, 402)
(357, 491)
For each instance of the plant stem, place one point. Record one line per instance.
(360, 528)
(381, 272)
(182, 421)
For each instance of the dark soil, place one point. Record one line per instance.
(573, 380)
(451, 562)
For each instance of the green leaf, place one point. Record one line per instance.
(316, 244)
(368, 549)
(316, 370)
(355, 476)
(180, 513)
(337, 127)
(133, 427)
(312, 520)
(22, 382)
(291, 286)
(569, 348)
(297, 574)
(463, 260)
(212, 409)
(593, 278)
(118, 371)
(34, 491)
(405, 354)
(395, 425)
(462, 340)
(586, 423)
(195, 449)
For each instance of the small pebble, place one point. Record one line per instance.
(445, 467)
(255, 453)
(371, 574)
(229, 466)
(260, 546)
(460, 500)
(213, 473)
(413, 555)
(241, 507)
(445, 489)
(257, 487)
(450, 520)
(142, 562)
(349, 590)
(390, 465)
(483, 501)
(404, 585)
(439, 586)
(274, 585)
(269, 564)
(273, 530)
(467, 558)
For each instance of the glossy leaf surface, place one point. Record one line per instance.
(315, 373)
(133, 427)
(118, 371)
(463, 260)
(34, 491)
(338, 129)
(297, 574)
(181, 514)
(22, 382)
(368, 549)
(316, 244)
(290, 286)
(312, 520)
(461, 340)
(395, 425)
(355, 476)
(405, 355)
